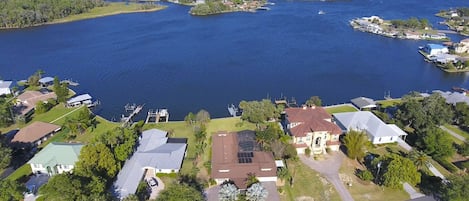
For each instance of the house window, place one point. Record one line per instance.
(300, 140)
(391, 138)
(308, 139)
(379, 140)
(37, 165)
(318, 141)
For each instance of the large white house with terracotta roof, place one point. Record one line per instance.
(312, 127)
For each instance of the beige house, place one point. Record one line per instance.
(312, 127)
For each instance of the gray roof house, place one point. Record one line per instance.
(156, 153)
(46, 81)
(453, 97)
(363, 103)
(378, 132)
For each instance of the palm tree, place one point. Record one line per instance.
(419, 158)
(355, 142)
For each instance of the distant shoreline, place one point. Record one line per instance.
(91, 15)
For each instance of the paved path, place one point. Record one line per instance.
(411, 191)
(66, 114)
(329, 168)
(435, 171)
(453, 133)
(403, 144)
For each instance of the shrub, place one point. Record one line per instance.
(365, 175)
(308, 152)
(447, 165)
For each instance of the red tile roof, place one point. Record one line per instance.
(225, 158)
(311, 119)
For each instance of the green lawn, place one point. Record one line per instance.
(340, 109)
(111, 9)
(389, 103)
(307, 183)
(21, 172)
(457, 130)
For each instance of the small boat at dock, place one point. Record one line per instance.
(263, 8)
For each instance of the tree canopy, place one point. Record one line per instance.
(69, 186)
(314, 100)
(457, 189)
(61, 90)
(396, 169)
(11, 190)
(97, 159)
(5, 156)
(25, 13)
(436, 143)
(258, 111)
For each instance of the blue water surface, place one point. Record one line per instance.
(185, 63)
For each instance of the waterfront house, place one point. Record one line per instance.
(434, 49)
(312, 127)
(34, 134)
(84, 99)
(235, 155)
(363, 103)
(5, 87)
(452, 97)
(412, 35)
(46, 81)
(156, 153)
(444, 58)
(55, 158)
(27, 101)
(377, 131)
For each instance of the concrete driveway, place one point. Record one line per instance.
(155, 190)
(329, 168)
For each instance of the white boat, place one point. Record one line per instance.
(321, 12)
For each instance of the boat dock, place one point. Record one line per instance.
(155, 116)
(263, 8)
(134, 109)
(70, 82)
(233, 110)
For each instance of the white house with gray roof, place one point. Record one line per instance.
(378, 132)
(363, 103)
(5, 87)
(56, 158)
(156, 153)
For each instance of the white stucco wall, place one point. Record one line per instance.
(5, 91)
(383, 140)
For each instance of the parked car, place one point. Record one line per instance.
(152, 182)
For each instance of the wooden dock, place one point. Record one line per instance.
(128, 120)
(155, 116)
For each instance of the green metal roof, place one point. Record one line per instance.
(57, 153)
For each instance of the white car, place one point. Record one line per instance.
(152, 182)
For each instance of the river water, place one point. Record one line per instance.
(185, 63)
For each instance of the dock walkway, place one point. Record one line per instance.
(128, 119)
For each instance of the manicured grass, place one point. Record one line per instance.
(361, 190)
(457, 130)
(22, 171)
(307, 183)
(440, 168)
(57, 114)
(102, 127)
(389, 103)
(340, 109)
(111, 9)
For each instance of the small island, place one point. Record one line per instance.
(413, 28)
(36, 13)
(211, 7)
(456, 19)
